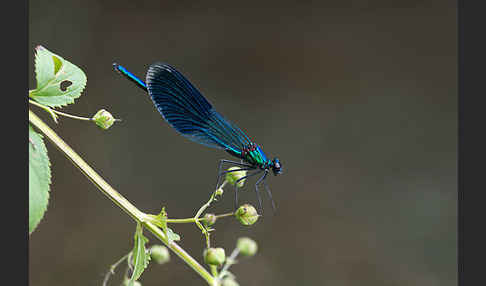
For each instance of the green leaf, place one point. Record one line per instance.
(39, 178)
(59, 82)
(140, 255)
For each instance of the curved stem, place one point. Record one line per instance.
(229, 261)
(117, 198)
(51, 110)
(113, 267)
(193, 220)
(48, 109)
(198, 214)
(203, 229)
(223, 184)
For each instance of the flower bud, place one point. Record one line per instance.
(214, 256)
(103, 119)
(232, 177)
(160, 254)
(209, 219)
(246, 246)
(219, 192)
(246, 214)
(229, 282)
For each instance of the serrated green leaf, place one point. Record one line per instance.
(54, 74)
(140, 255)
(39, 178)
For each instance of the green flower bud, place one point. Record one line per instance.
(232, 177)
(103, 119)
(229, 282)
(219, 192)
(209, 219)
(214, 256)
(246, 214)
(246, 246)
(160, 254)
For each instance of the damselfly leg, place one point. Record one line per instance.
(236, 188)
(269, 195)
(262, 178)
(220, 174)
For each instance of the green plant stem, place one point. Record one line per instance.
(229, 261)
(48, 109)
(113, 267)
(225, 215)
(117, 198)
(201, 210)
(214, 270)
(193, 220)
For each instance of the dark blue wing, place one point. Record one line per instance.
(185, 109)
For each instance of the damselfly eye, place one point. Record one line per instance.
(277, 167)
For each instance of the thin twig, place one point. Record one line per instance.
(113, 267)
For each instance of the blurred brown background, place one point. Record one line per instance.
(357, 98)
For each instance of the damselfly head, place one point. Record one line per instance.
(276, 167)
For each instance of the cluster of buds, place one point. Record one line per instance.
(216, 257)
(246, 214)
